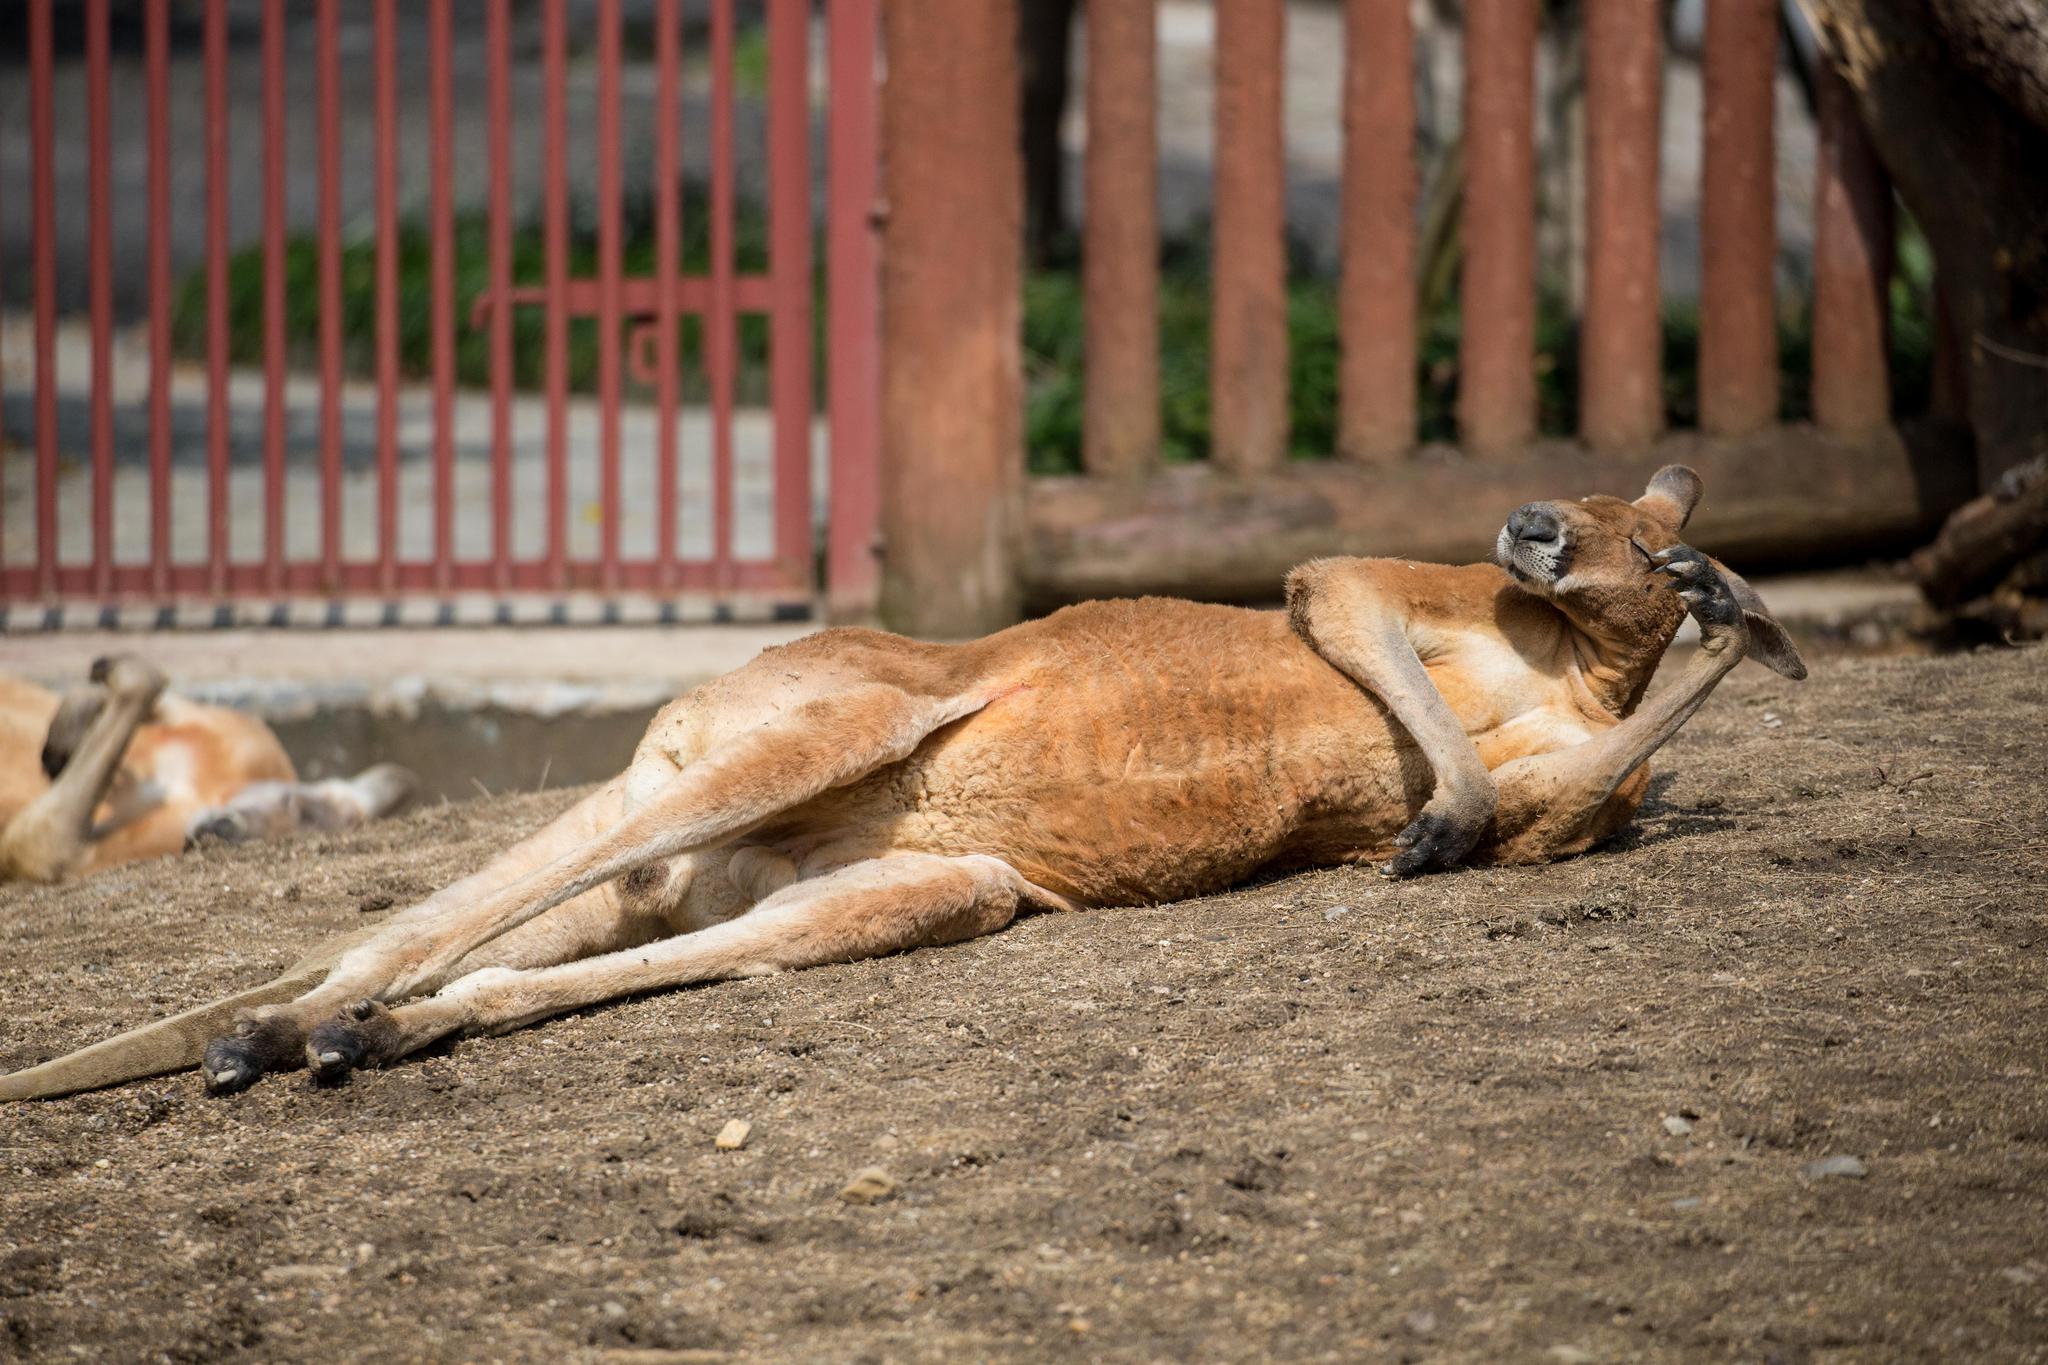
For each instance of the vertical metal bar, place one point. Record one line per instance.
(608, 287)
(330, 298)
(386, 61)
(555, 232)
(1120, 256)
(161, 300)
(720, 320)
(1248, 329)
(499, 36)
(274, 338)
(218, 416)
(1497, 346)
(1376, 292)
(101, 294)
(43, 192)
(442, 208)
(1738, 226)
(667, 248)
(853, 264)
(1621, 390)
(789, 259)
(1852, 268)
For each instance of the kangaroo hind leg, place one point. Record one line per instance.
(754, 774)
(866, 909)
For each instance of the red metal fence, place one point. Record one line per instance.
(139, 568)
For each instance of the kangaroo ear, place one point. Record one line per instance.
(1673, 492)
(1769, 645)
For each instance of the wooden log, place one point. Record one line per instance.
(1986, 538)
(952, 364)
(1788, 495)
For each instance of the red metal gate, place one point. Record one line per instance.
(420, 485)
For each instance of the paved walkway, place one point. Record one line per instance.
(753, 451)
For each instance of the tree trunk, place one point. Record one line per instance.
(1955, 94)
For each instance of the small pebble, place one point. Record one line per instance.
(734, 1135)
(102, 1164)
(2020, 1275)
(1686, 1205)
(1676, 1126)
(1828, 1166)
(1336, 912)
(1422, 1323)
(870, 1185)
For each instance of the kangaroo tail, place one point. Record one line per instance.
(168, 1044)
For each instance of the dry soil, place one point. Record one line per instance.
(1559, 1113)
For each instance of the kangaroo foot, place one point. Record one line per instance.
(257, 1047)
(363, 1034)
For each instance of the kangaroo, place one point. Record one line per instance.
(856, 793)
(120, 769)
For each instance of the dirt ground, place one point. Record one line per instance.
(1541, 1114)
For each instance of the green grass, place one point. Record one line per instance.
(1052, 340)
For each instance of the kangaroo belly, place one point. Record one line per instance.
(1166, 763)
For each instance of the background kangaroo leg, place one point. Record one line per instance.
(49, 839)
(867, 909)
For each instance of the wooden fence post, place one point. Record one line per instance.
(1248, 329)
(1497, 337)
(1852, 269)
(1376, 295)
(1621, 398)
(1120, 249)
(1738, 221)
(952, 375)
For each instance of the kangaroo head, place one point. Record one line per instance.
(1591, 559)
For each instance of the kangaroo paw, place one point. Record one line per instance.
(363, 1034)
(257, 1047)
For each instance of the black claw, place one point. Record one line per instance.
(363, 1035)
(256, 1048)
(1431, 841)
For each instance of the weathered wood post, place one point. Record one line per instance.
(1621, 399)
(1852, 269)
(1738, 221)
(1376, 295)
(952, 375)
(1120, 252)
(1248, 329)
(1497, 339)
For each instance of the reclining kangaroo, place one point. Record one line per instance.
(119, 769)
(856, 793)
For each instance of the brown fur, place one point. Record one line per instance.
(855, 793)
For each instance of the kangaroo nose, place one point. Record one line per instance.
(1533, 521)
